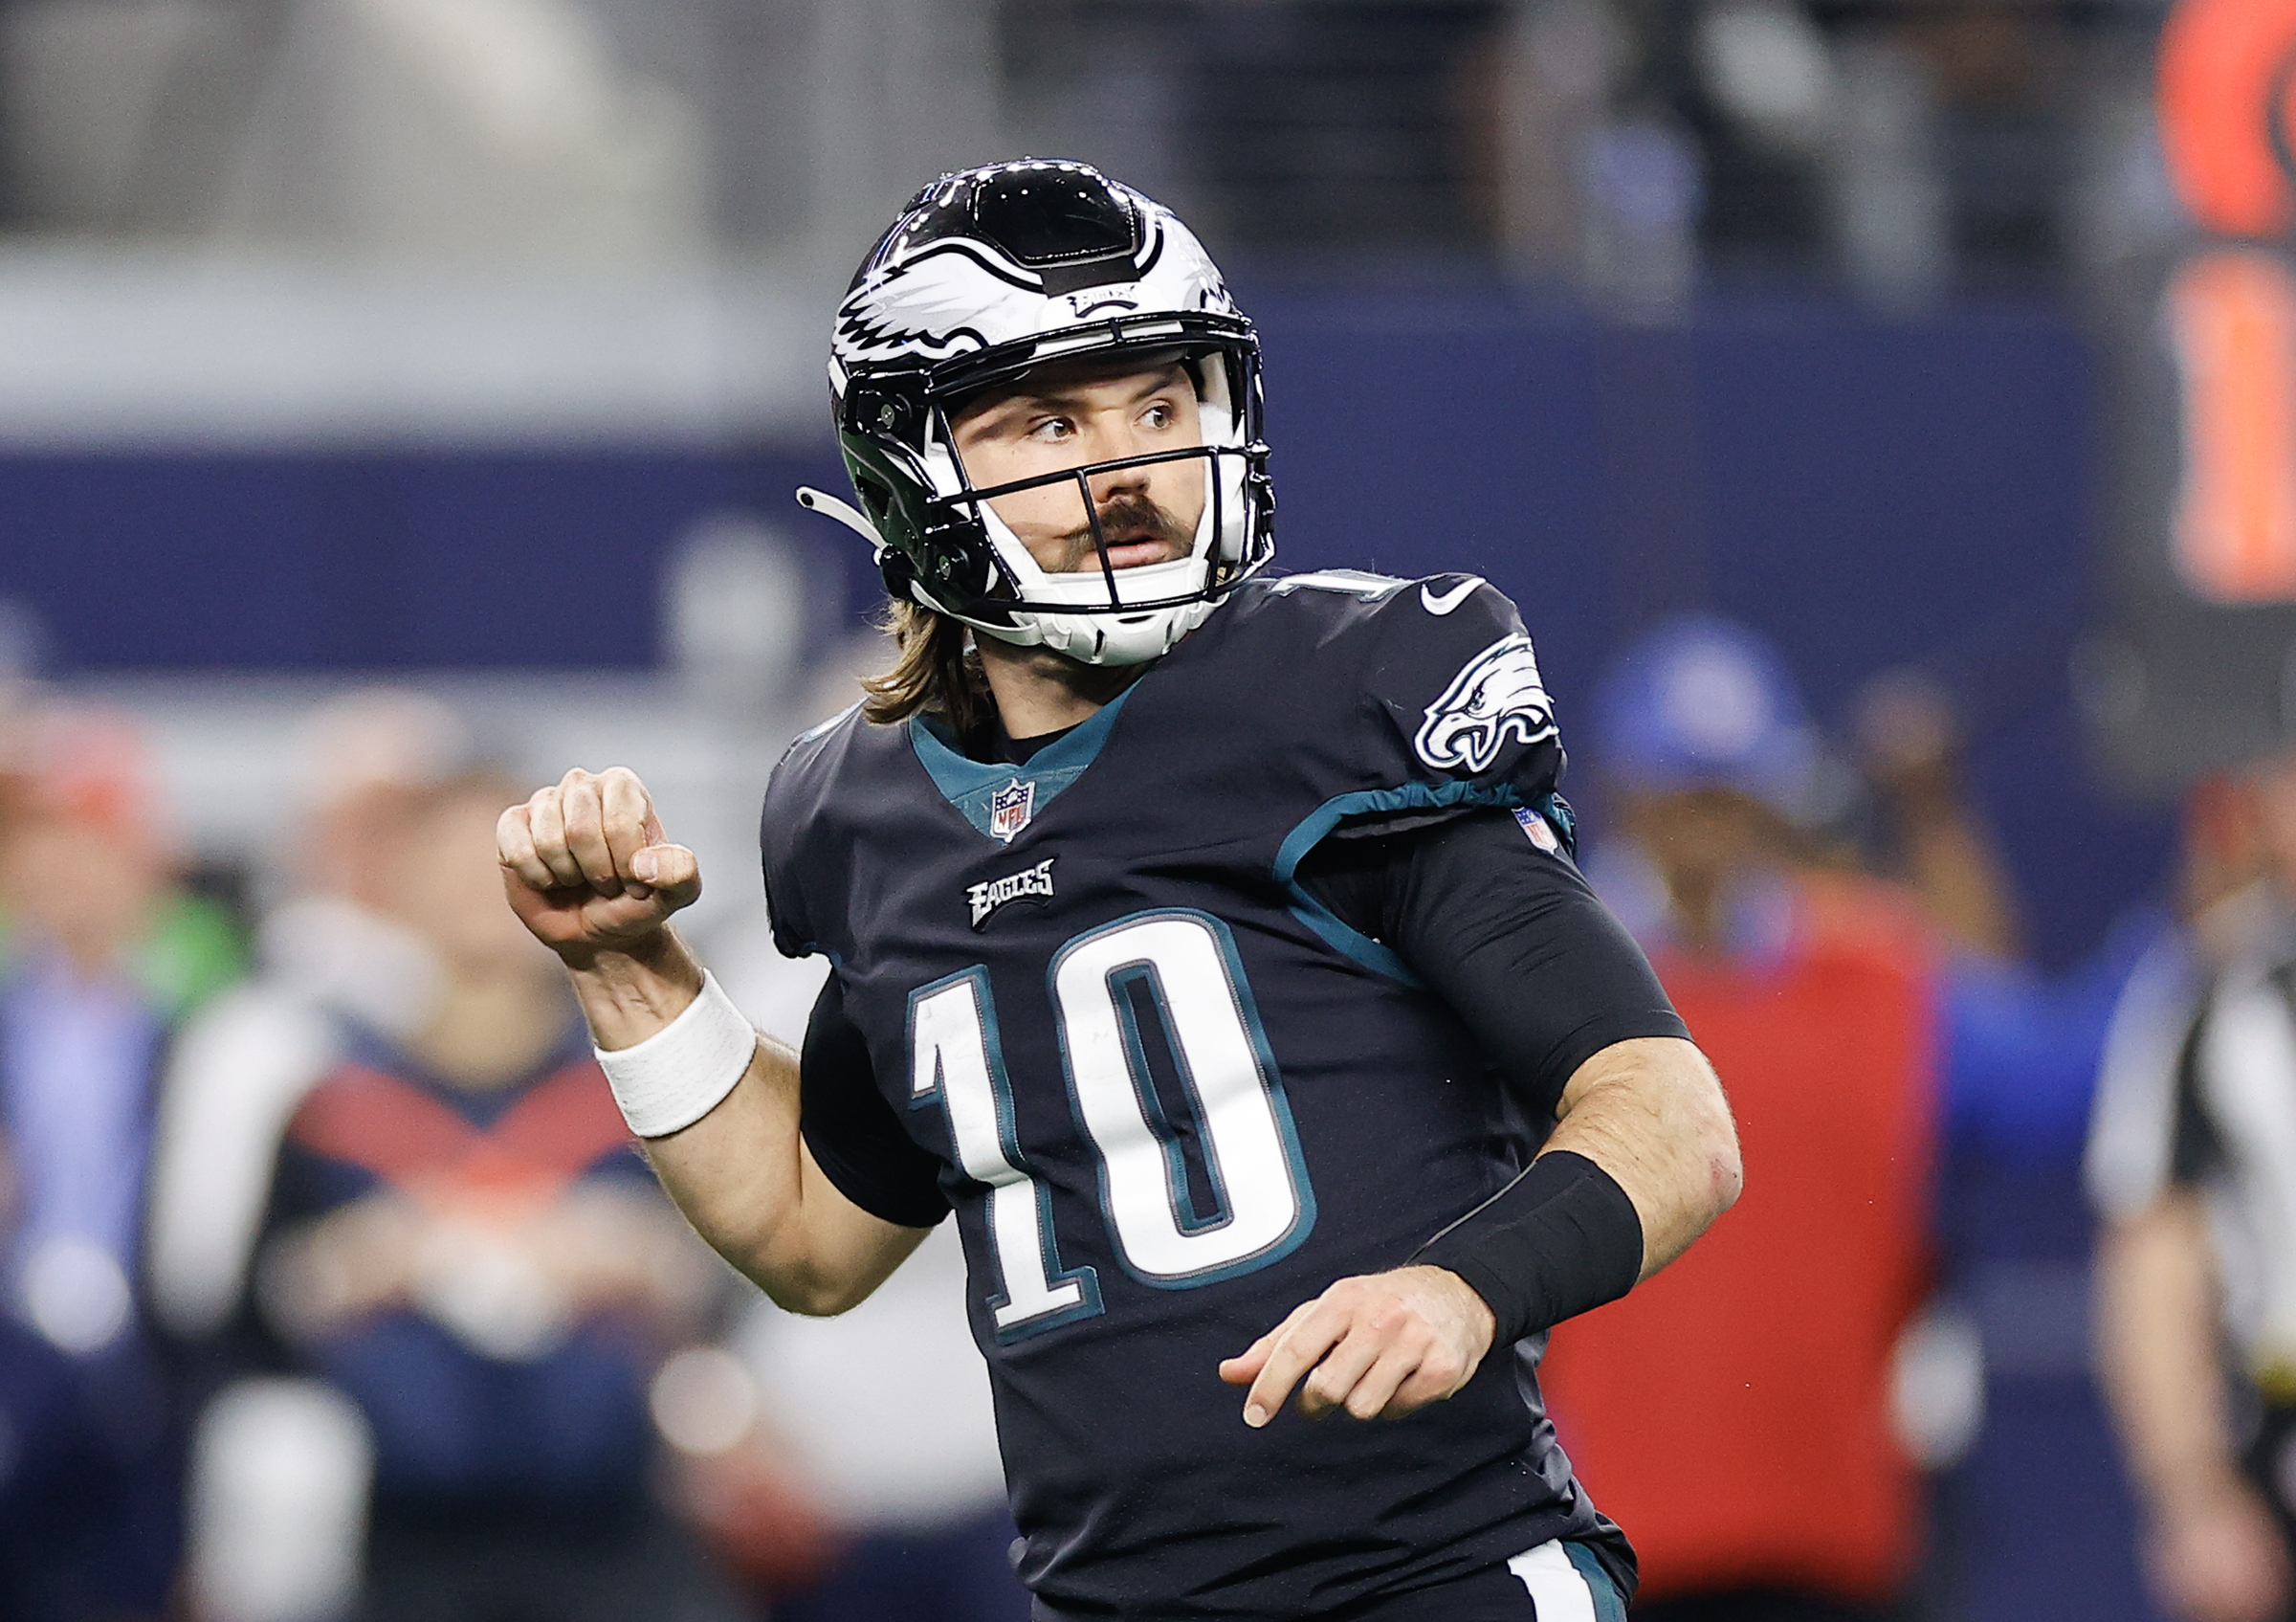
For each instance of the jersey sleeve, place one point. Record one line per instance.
(1467, 716)
(788, 824)
(1450, 717)
(1498, 922)
(856, 1139)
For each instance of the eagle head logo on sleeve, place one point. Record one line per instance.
(1496, 695)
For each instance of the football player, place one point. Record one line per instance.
(1207, 940)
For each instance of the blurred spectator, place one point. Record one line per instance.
(460, 1236)
(335, 940)
(332, 955)
(1912, 749)
(104, 953)
(69, 1536)
(79, 784)
(2192, 1166)
(1858, 1026)
(1734, 1412)
(2020, 1048)
(280, 1464)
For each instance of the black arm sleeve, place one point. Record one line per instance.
(1561, 1239)
(856, 1139)
(1507, 933)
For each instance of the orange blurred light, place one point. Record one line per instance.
(2225, 71)
(2231, 315)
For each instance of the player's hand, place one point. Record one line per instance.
(586, 866)
(2219, 1558)
(1381, 1345)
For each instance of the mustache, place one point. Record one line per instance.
(1134, 517)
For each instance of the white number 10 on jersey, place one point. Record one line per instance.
(1185, 964)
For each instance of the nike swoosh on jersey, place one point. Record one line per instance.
(1439, 606)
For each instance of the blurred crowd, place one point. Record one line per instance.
(1905, 149)
(334, 1285)
(1901, 148)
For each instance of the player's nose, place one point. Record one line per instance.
(1118, 481)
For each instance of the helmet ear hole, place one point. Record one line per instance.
(899, 573)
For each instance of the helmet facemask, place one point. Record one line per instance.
(1098, 613)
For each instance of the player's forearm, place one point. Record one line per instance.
(1650, 1111)
(743, 1178)
(736, 1175)
(587, 869)
(631, 993)
(2157, 1353)
(1643, 1159)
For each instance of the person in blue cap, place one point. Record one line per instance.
(1856, 1021)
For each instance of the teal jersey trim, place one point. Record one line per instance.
(1607, 1606)
(970, 785)
(1364, 802)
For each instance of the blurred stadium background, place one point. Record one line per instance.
(475, 346)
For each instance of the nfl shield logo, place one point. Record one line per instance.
(1010, 808)
(1535, 829)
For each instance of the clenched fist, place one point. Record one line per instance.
(586, 866)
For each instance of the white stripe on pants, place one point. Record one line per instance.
(1557, 1586)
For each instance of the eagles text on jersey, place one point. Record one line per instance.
(1171, 1097)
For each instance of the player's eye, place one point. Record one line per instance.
(1052, 429)
(1159, 414)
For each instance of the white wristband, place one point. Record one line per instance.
(680, 1073)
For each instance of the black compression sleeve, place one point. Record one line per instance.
(1560, 1240)
(1508, 934)
(1511, 936)
(856, 1139)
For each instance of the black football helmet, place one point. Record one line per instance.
(986, 274)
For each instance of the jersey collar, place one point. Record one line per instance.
(970, 785)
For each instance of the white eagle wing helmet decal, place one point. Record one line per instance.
(950, 295)
(952, 298)
(1496, 695)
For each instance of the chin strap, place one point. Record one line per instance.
(1087, 644)
(844, 512)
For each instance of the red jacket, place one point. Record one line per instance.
(1733, 1413)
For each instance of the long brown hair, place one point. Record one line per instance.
(933, 670)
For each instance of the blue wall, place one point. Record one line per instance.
(381, 561)
(1866, 492)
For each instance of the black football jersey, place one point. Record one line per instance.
(1170, 1096)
